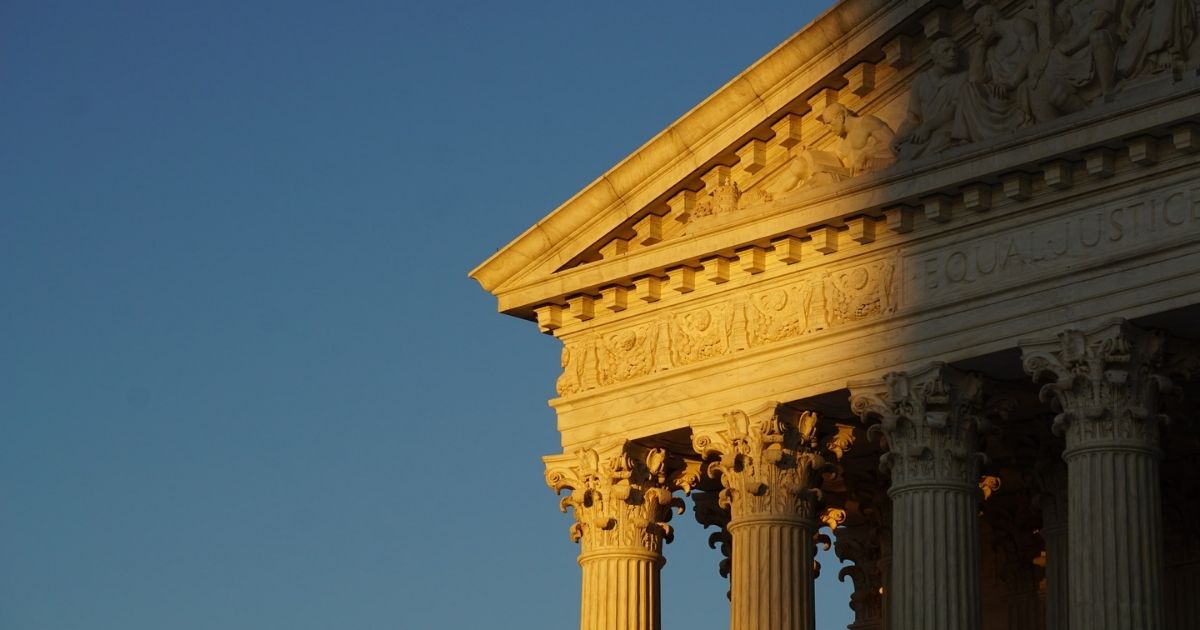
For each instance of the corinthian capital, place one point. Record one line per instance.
(765, 461)
(1106, 384)
(930, 418)
(620, 495)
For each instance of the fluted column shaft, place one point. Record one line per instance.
(622, 501)
(765, 461)
(1106, 385)
(620, 590)
(772, 573)
(1115, 551)
(930, 418)
(936, 559)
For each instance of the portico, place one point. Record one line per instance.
(815, 306)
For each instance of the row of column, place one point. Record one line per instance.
(1102, 518)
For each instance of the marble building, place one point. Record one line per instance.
(923, 284)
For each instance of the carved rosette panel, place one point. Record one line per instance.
(930, 419)
(810, 305)
(784, 312)
(765, 462)
(860, 293)
(1105, 385)
(627, 353)
(701, 334)
(621, 496)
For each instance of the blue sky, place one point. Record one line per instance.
(245, 381)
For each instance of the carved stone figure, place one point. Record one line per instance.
(811, 166)
(866, 141)
(1078, 49)
(865, 144)
(994, 101)
(781, 313)
(722, 200)
(701, 334)
(626, 354)
(571, 380)
(931, 107)
(1157, 34)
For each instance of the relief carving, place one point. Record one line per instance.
(1040, 64)
(701, 334)
(860, 293)
(783, 313)
(864, 144)
(1078, 50)
(626, 354)
(931, 107)
(810, 167)
(571, 380)
(994, 101)
(806, 307)
(721, 200)
(1157, 36)
(865, 141)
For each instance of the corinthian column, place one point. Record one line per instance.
(765, 462)
(930, 419)
(622, 502)
(1105, 387)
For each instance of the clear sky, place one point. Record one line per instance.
(245, 382)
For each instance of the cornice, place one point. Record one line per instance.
(995, 170)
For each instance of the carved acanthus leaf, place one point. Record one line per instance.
(765, 461)
(620, 495)
(930, 419)
(1105, 384)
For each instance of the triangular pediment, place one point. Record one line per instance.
(702, 138)
(824, 134)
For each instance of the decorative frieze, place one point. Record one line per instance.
(805, 306)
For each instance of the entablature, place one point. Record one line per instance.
(1125, 245)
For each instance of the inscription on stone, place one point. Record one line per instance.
(1057, 246)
